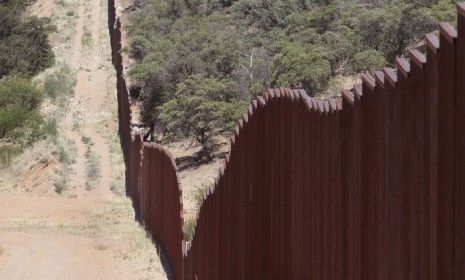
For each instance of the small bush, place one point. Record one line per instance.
(92, 169)
(65, 152)
(61, 178)
(87, 38)
(60, 82)
(369, 60)
(60, 3)
(24, 45)
(20, 121)
(50, 129)
(117, 186)
(7, 153)
(61, 182)
(86, 140)
(189, 229)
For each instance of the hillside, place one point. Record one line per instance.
(196, 64)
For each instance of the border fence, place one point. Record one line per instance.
(370, 185)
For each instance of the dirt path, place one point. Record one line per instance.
(87, 232)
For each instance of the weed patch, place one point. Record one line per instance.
(87, 140)
(61, 180)
(65, 151)
(92, 169)
(101, 247)
(87, 38)
(60, 83)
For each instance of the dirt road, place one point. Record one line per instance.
(88, 231)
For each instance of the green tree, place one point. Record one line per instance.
(300, 67)
(24, 45)
(255, 44)
(369, 60)
(202, 108)
(20, 119)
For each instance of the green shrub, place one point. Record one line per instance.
(61, 181)
(86, 140)
(20, 119)
(87, 38)
(369, 60)
(92, 169)
(60, 82)
(65, 152)
(188, 229)
(50, 129)
(24, 45)
(202, 109)
(297, 66)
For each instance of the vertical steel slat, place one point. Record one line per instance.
(459, 194)
(446, 151)
(369, 254)
(431, 146)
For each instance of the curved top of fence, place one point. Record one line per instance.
(334, 105)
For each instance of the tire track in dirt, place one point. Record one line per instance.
(90, 92)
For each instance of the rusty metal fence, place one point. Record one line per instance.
(367, 186)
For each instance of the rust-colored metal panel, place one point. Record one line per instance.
(350, 181)
(431, 147)
(369, 179)
(446, 151)
(459, 195)
(419, 195)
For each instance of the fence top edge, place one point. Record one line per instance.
(432, 42)
(461, 8)
(261, 100)
(379, 79)
(358, 91)
(403, 66)
(390, 76)
(333, 105)
(308, 103)
(369, 81)
(417, 57)
(348, 96)
(448, 32)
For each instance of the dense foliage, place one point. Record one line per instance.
(24, 45)
(20, 119)
(189, 52)
(24, 52)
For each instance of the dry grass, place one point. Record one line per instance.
(115, 219)
(101, 247)
(64, 18)
(33, 162)
(339, 84)
(195, 180)
(107, 128)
